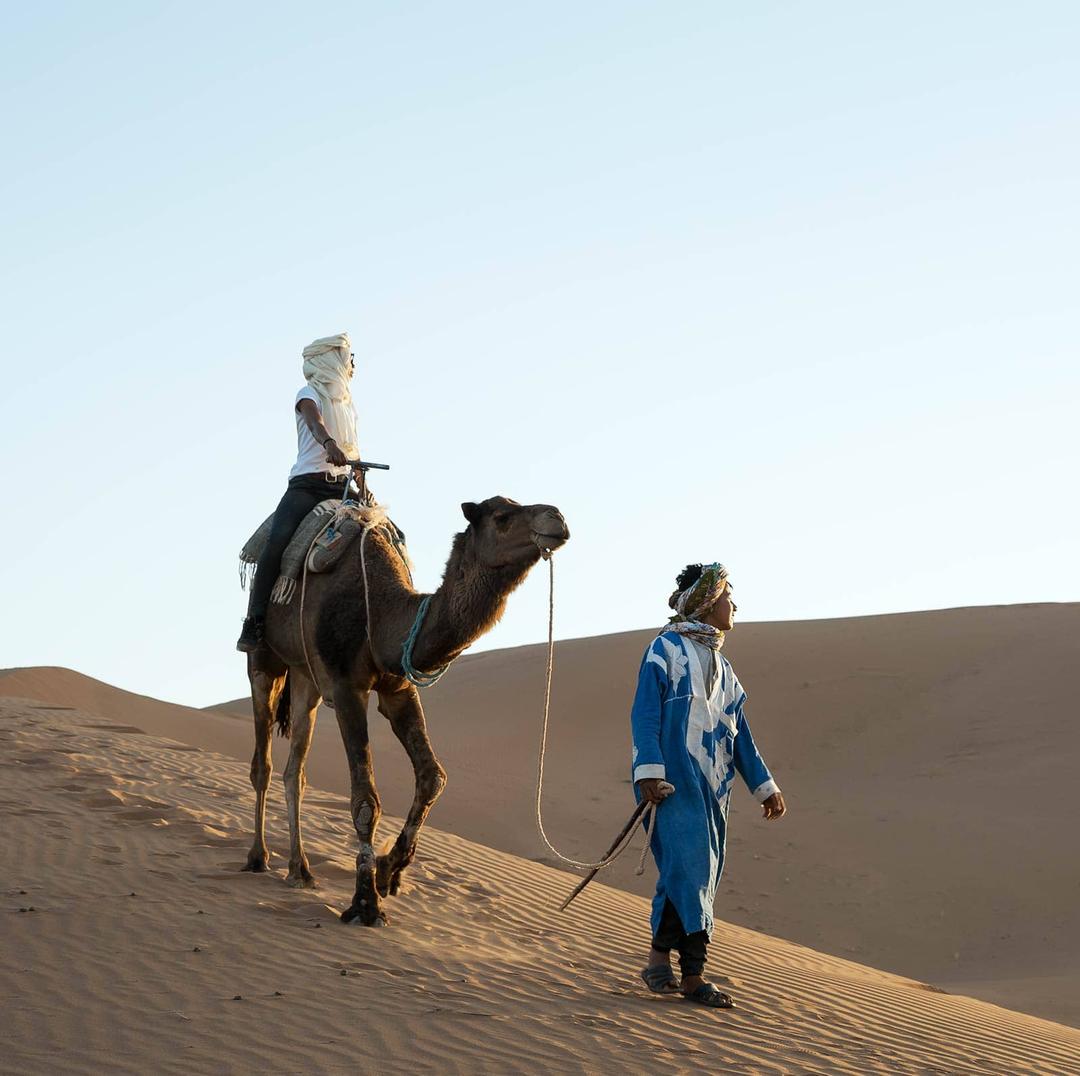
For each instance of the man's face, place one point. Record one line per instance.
(722, 614)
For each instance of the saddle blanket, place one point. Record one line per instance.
(323, 535)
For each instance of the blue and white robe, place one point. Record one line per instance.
(688, 728)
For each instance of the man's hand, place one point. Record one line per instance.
(773, 807)
(650, 789)
(334, 454)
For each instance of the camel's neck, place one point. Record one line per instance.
(467, 604)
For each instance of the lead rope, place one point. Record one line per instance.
(649, 813)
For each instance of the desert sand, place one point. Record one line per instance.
(926, 759)
(133, 943)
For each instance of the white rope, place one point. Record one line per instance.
(367, 600)
(647, 816)
(303, 590)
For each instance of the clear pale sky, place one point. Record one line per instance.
(791, 286)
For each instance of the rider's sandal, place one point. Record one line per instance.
(659, 978)
(710, 997)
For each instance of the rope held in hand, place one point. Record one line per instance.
(643, 815)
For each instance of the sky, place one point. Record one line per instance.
(787, 285)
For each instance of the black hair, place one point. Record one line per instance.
(689, 576)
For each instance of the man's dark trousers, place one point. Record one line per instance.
(303, 493)
(692, 948)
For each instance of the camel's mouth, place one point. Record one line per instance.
(549, 541)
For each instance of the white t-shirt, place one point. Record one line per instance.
(310, 455)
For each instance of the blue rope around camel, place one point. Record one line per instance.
(412, 674)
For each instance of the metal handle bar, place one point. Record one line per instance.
(357, 465)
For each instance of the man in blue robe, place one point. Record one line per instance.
(690, 732)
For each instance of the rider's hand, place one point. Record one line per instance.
(774, 806)
(334, 454)
(650, 789)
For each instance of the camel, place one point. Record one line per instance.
(488, 560)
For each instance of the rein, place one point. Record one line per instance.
(644, 814)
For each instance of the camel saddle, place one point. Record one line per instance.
(323, 535)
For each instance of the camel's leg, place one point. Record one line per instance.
(305, 702)
(350, 708)
(265, 688)
(406, 717)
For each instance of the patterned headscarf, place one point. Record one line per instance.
(696, 600)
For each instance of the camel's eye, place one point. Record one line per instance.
(502, 520)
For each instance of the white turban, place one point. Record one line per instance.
(327, 369)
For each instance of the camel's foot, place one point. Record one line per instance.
(387, 875)
(258, 861)
(300, 877)
(365, 908)
(365, 913)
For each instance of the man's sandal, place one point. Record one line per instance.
(660, 979)
(710, 997)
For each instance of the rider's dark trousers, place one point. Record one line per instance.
(303, 493)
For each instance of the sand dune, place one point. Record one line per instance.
(133, 944)
(927, 759)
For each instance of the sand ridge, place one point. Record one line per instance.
(148, 950)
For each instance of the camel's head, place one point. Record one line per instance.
(507, 533)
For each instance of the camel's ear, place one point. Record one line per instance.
(471, 511)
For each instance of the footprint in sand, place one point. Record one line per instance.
(107, 800)
(360, 966)
(467, 1012)
(203, 835)
(157, 805)
(330, 870)
(45, 760)
(127, 730)
(131, 816)
(308, 910)
(230, 872)
(92, 777)
(216, 890)
(592, 1020)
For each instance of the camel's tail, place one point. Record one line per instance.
(283, 710)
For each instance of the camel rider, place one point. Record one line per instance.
(689, 731)
(325, 442)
